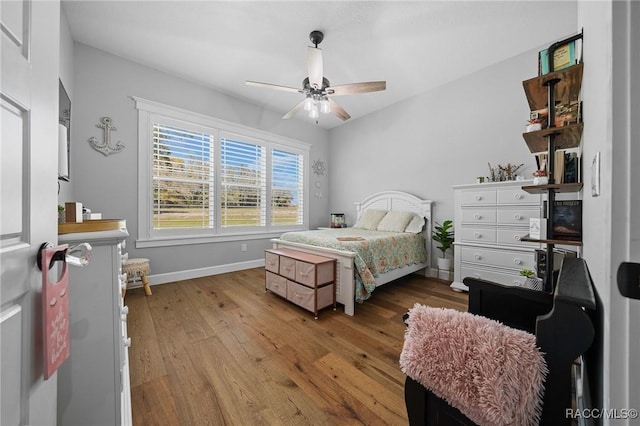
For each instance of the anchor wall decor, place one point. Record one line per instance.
(106, 148)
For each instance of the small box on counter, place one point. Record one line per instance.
(538, 228)
(73, 212)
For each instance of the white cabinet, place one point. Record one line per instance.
(93, 383)
(490, 219)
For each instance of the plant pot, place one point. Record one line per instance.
(534, 127)
(444, 264)
(533, 283)
(540, 180)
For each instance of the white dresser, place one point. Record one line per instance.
(93, 383)
(490, 219)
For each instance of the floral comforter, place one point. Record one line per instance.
(376, 251)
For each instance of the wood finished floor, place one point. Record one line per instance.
(219, 350)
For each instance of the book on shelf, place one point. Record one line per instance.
(563, 57)
(567, 218)
(558, 167)
(571, 168)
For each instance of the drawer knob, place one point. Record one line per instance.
(516, 237)
(477, 216)
(477, 256)
(517, 217)
(517, 261)
(478, 197)
(477, 276)
(518, 196)
(516, 283)
(477, 235)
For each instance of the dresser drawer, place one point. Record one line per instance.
(501, 258)
(517, 216)
(287, 267)
(272, 262)
(472, 197)
(495, 276)
(513, 237)
(304, 296)
(517, 196)
(479, 216)
(276, 284)
(306, 273)
(479, 235)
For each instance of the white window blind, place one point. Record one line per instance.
(183, 178)
(287, 189)
(243, 183)
(202, 179)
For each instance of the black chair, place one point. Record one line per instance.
(563, 332)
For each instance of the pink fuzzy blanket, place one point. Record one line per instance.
(492, 373)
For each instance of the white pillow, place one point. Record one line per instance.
(416, 225)
(395, 221)
(370, 219)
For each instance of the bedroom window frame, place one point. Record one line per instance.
(150, 113)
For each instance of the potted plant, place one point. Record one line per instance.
(61, 217)
(444, 236)
(531, 280)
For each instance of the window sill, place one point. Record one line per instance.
(185, 240)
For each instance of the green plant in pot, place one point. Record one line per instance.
(444, 235)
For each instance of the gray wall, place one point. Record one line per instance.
(435, 140)
(103, 86)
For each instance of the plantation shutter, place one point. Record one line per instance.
(243, 183)
(287, 188)
(183, 178)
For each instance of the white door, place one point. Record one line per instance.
(624, 374)
(28, 200)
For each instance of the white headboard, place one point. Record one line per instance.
(400, 201)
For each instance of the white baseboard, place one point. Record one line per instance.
(444, 275)
(203, 272)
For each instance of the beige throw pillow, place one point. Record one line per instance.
(395, 221)
(370, 219)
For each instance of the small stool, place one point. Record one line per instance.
(137, 269)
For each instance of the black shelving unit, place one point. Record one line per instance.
(567, 84)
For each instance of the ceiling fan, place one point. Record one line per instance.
(317, 89)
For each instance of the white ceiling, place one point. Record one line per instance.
(414, 46)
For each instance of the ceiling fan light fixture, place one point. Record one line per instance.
(314, 113)
(325, 106)
(309, 104)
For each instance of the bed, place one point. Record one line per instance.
(349, 246)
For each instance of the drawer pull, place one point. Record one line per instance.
(477, 256)
(477, 235)
(517, 261)
(518, 196)
(517, 217)
(478, 197)
(477, 216)
(516, 237)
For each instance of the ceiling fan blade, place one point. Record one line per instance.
(272, 86)
(294, 110)
(314, 66)
(349, 89)
(338, 110)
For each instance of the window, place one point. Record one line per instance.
(202, 179)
